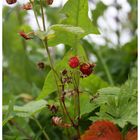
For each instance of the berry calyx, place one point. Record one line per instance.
(27, 6)
(86, 68)
(74, 62)
(11, 1)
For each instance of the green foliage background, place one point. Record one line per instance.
(27, 89)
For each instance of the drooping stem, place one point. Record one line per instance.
(41, 128)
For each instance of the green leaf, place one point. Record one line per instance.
(76, 15)
(5, 120)
(41, 34)
(91, 84)
(100, 8)
(50, 84)
(118, 104)
(26, 110)
(62, 37)
(85, 105)
(48, 87)
(67, 28)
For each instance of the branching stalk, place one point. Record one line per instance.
(45, 43)
(62, 102)
(72, 122)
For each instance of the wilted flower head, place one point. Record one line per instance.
(58, 122)
(11, 1)
(41, 65)
(102, 130)
(87, 68)
(27, 6)
(24, 35)
(49, 2)
(53, 108)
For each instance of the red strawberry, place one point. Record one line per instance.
(74, 62)
(102, 130)
(86, 68)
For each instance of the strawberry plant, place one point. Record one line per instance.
(81, 91)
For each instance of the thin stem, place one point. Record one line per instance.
(43, 17)
(118, 22)
(35, 15)
(20, 129)
(76, 85)
(62, 103)
(76, 126)
(78, 102)
(76, 79)
(105, 67)
(66, 111)
(54, 73)
(41, 128)
(49, 57)
(20, 23)
(110, 79)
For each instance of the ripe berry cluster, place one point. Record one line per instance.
(85, 68)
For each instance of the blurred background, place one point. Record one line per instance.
(114, 50)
